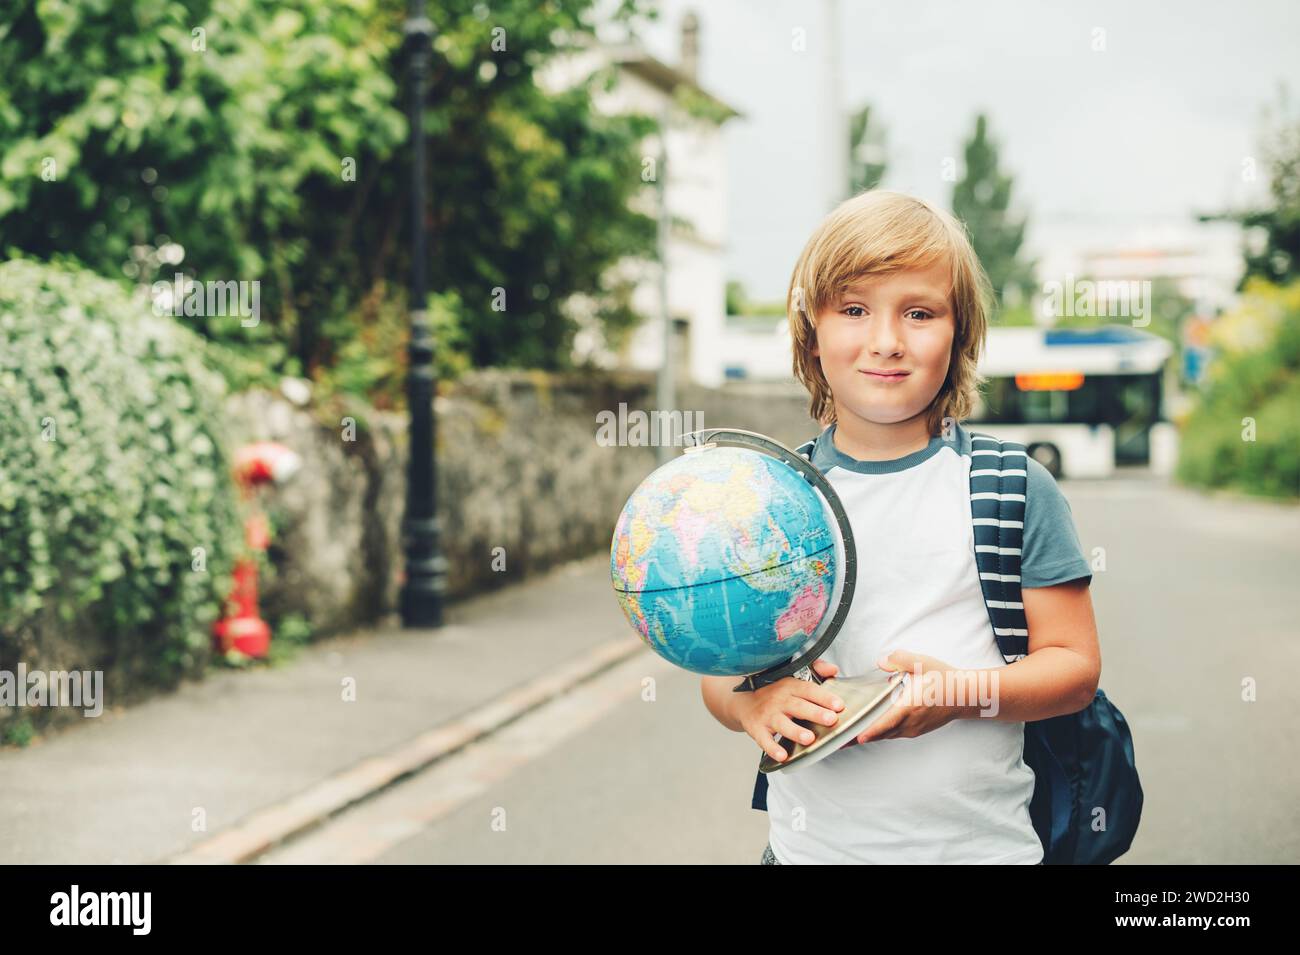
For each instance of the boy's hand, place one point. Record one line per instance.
(773, 708)
(909, 717)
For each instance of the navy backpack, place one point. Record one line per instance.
(1087, 797)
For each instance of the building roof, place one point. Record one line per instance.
(664, 76)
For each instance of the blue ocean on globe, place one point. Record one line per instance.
(724, 560)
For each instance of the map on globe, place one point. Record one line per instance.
(724, 560)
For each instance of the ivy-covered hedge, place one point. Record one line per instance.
(118, 517)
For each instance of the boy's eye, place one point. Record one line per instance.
(857, 311)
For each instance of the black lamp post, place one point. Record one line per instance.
(426, 568)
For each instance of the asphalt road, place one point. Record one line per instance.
(1196, 603)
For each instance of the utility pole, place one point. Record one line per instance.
(837, 151)
(666, 398)
(426, 568)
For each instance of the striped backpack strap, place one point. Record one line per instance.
(759, 798)
(998, 479)
(1079, 759)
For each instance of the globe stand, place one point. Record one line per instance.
(865, 697)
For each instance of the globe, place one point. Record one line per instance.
(726, 561)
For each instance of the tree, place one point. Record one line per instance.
(264, 140)
(139, 136)
(1276, 257)
(982, 199)
(735, 297)
(867, 159)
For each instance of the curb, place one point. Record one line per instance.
(277, 823)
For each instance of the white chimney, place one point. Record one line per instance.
(690, 58)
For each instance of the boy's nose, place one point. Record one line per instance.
(883, 337)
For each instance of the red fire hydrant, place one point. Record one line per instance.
(242, 628)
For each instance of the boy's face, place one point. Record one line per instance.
(903, 320)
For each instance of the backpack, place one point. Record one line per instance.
(1082, 761)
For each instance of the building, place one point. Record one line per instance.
(696, 191)
(756, 349)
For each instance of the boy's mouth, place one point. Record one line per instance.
(888, 374)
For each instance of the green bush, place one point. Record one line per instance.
(117, 510)
(1245, 431)
(266, 140)
(373, 361)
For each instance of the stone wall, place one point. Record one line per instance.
(523, 483)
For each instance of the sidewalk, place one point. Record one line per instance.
(272, 748)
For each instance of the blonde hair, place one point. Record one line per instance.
(875, 233)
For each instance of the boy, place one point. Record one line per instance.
(887, 311)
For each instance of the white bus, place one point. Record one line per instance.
(1081, 400)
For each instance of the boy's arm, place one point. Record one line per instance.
(1059, 674)
(720, 699)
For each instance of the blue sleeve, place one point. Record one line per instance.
(1050, 552)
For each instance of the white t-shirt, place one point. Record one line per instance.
(959, 794)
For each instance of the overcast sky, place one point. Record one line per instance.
(1106, 146)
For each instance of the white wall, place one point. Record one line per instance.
(696, 191)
